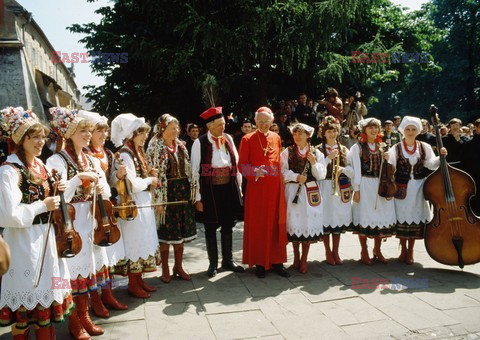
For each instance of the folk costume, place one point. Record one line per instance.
(140, 234)
(411, 164)
(89, 268)
(176, 225)
(304, 213)
(116, 251)
(337, 205)
(214, 168)
(265, 234)
(24, 216)
(373, 216)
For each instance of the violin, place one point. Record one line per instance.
(453, 235)
(387, 187)
(107, 232)
(126, 209)
(69, 242)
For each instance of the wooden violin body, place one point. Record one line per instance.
(107, 232)
(69, 242)
(127, 209)
(387, 187)
(453, 235)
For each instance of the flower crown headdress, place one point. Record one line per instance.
(16, 121)
(64, 121)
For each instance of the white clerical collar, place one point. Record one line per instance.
(263, 133)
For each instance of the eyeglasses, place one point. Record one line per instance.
(263, 121)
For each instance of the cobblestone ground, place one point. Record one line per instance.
(423, 301)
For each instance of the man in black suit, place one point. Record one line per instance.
(454, 143)
(471, 164)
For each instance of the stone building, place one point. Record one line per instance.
(28, 76)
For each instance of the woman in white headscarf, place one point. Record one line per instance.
(305, 212)
(140, 233)
(411, 159)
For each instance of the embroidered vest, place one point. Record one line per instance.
(210, 214)
(31, 192)
(176, 167)
(72, 170)
(370, 162)
(206, 158)
(136, 161)
(343, 158)
(296, 163)
(404, 167)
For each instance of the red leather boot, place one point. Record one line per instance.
(87, 323)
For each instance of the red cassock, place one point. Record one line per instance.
(265, 234)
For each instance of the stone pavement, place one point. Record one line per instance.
(439, 302)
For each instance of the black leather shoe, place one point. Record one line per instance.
(280, 270)
(260, 272)
(212, 270)
(232, 266)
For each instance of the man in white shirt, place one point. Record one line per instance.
(214, 166)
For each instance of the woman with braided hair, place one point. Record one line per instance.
(176, 223)
(83, 175)
(140, 234)
(26, 197)
(373, 216)
(338, 205)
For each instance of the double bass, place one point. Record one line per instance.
(453, 235)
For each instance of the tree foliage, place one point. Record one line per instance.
(262, 51)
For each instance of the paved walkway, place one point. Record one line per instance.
(441, 301)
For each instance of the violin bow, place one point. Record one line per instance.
(381, 146)
(150, 205)
(39, 269)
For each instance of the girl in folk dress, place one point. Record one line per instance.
(373, 216)
(411, 158)
(140, 234)
(337, 205)
(83, 175)
(176, 223)
(26, 195)
(305, 217)
(116, 251)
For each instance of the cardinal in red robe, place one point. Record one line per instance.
(265, 235)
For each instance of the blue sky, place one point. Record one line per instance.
(54, 16)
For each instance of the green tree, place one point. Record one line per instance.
(257, 50)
